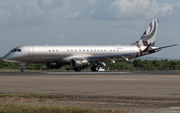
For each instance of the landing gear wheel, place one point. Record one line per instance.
(95, 68)
(22, 69)
(77, 69)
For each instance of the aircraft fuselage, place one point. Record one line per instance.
(62, 54)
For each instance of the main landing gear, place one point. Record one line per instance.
(95, 68)
(77, 69)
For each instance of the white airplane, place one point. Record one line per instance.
(82, 56)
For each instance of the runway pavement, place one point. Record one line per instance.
(151, 85)
(142, 84)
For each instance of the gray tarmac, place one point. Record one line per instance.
(147, 91)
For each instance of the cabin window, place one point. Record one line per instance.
(95, 50)
(110, 50)
(80, 50)
(84, 50)
(75, 50)
(49, 50)
(56, 50)
(71, 50)
(87, 50)
(68, 50)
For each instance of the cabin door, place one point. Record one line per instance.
(132, 49)
(31, 51)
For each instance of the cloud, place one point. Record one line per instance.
(123, 9)
(61, 37)
(143, 8)
(73, 15)
(31, 12)
(47, 2)
(4, 15)
(36, 12)
(92, 2)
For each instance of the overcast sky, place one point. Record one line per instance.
(85, 22)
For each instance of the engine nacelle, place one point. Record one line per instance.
(79, 63)
(53, 65)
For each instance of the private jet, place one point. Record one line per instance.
(79, 57)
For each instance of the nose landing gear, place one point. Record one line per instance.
(22, 66)
(22, 69)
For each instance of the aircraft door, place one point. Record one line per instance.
(31, 51)
(132, 49)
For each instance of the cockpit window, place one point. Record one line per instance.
(16, 50)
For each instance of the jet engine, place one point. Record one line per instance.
(53, 65)
(79, 63)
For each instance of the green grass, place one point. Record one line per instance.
(13, 103)
(32, 96)
(20, 108)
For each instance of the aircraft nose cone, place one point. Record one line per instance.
(10, 58)
(4, 58)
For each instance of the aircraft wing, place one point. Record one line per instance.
(109, 58)
(124, 56)
(119, 57)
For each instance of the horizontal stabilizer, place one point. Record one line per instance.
(159, 48)
(167, 46)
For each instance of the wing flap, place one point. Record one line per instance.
(106, 58)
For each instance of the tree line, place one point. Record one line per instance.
(139, 64)
(136, 64)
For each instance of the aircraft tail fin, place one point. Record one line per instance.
(149, 35)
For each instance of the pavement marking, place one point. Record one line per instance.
(85, 73)
(17, 77)
(121, 78)
(100, 76)
(171, 76)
